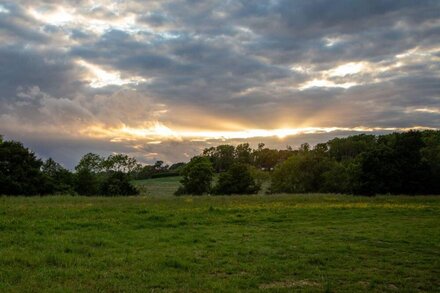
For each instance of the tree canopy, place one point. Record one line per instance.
(197, 177)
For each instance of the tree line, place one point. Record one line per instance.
(397, 163)
(22, 173)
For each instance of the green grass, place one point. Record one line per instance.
(311, 243)
(165, 186)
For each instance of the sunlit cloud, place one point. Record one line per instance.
(58, 17)
(4, 9)
(101, 78)
(73, 18)
(164, 133)
(164, 79)
(346, 69)
(331, 41)
(325, 83)
(426, 110)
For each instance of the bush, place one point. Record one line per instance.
(197, 177)
(86, 182)
(117, 183)
(237, 180)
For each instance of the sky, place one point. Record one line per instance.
(161, 80)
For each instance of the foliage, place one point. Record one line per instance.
(243, 154)
(397, 163)
(177, 167)
(158, 170)
(20, 172)
(120, 163)
(237, 180)
(91, 162)
(265, 158)
(145, 172)
(197, 177)
(117, 183)
(96, 175)
(431, 157)
(339, 178)
(301, 173)
(86, 182)
(222, 157)
(259, 175)
(342, 149)
(394, 166)
(59, 179)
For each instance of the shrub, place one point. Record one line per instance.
(86, 182)
(237, 180)
(117, 183)
(197, 177)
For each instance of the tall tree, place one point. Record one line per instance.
(20, 172)
(197, 177)
(91, 162)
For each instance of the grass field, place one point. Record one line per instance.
(311, 243)
(165, 186)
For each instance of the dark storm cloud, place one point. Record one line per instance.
(258, 64)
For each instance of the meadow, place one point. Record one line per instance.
(162, 243)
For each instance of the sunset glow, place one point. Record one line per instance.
(159, 132)
(172, 77)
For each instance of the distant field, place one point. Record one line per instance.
(311, 243)
(165, 186)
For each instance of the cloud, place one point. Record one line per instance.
(135, 77)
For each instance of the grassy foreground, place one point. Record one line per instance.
(280, 243)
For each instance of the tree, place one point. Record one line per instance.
(237, 180)
(60, 180)
(86, 182)
(265, 158)
(91, 162)
(98, 176)
(377, 172)
(243, 153)
(20, 172)
(394, 166)
(119, 163)
(145, 172)
(431, 158)
(197, 177)
(87, 174)
(339, 177)
(301, 173)
(117, 183)
(221, 157)
(158, 166)
(177, 167)
(350, 147)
